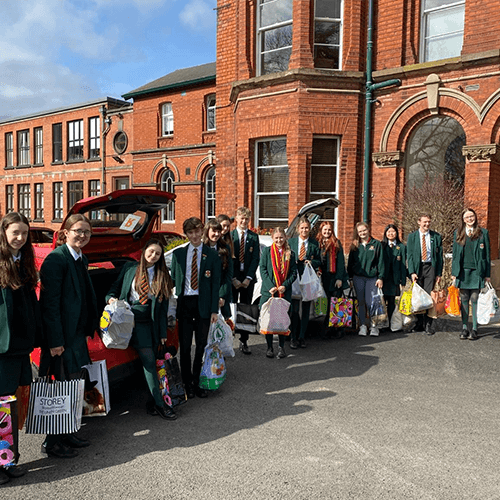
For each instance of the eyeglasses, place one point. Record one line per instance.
(81, 232)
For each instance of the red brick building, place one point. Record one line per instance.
(279, 119)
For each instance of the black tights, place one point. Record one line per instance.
(269, 340)
(465, 297)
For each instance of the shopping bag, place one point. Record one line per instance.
(247, 316)
(296, 292)
(169, 376)
(343, 311)
(8, 432)
(117, 323)
(378, 310)
(96, 399)
(161, 371)
(438, 303)
(452, 306)
(310, 284)
(487, 304)
(319, 308)
(405, 301)
(420, 299)
(55, 407)
(220, 333)
(397, 320)
(213, 369)
(274, 318)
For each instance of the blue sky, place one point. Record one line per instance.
(55, 53)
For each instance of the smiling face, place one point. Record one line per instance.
(469, 218)
(194, 236)
(363, 232)
(226, 226)
(16, 234)
(214, 234)
(152, 254)
(279, 239)
(424, 223)
(242, 222)
(304, 230)
(326, 231)
(391, 234)
(78, 235)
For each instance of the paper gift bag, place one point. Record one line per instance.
(96, 400)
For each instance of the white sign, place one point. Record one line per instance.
(130, 222)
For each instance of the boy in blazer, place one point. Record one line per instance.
(425, 263)
(196, 272)
(245, 264)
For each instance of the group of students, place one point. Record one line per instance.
(217, 267)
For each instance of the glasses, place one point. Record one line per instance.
(81, 232)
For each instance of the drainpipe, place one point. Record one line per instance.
(106, 125)
(370, 88)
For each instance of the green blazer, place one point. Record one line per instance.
(208, 280)
(482, 257)
(226, 290)
(327, 277)
(367, 261)
(312, 253)
(266, 273)
(159, 310)
(395, 264)
(414, 252)
(252, 254)
(61, 302)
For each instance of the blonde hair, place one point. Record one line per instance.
(286, 247)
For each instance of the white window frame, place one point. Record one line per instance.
(211, 111)
(167, 184)
(341, 25)
(75, 140)
(94, 137)
(262, 30)
(38, 133)
(39, 201)
(167, 119)
(9, 149)
(9, 198)
(23, 147)
(259, 194)
(95, 190)
(336, 166)
(452, 5)
(210, 180)
(24, 200)
(58, 196)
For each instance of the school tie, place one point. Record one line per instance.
(302, 253)
(194, 270)
(143, 289)
(242, 248)
(424, 249)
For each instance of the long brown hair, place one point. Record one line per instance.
(68, 224)
(287, 251)
(162, 284)
(9, 274)
(226, 237)
(462, 231)
(355, 236)
(222, 248)
(327, 244)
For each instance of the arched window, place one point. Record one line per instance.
(210, 194)
(435, 152)
(167, 184)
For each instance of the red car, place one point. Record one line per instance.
(122, 223)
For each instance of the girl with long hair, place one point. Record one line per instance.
(366, 269)
(147, 286)
(225, 222)
(278, 270)
(470, 267)
(395, 266)
(69, 312)
(20, 329)
(212, 236)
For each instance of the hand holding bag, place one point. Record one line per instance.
(274, 318)
(420, 299)
(117, 323)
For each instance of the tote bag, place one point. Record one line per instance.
(343, 311)
(274, 318)
(96, 400)
(8, 431)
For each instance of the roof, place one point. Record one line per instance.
(178, 78)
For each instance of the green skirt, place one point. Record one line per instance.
(469, 279)
(15, 370)
(143, 333)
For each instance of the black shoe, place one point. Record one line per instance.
(302, 343)
(165, 412)
(294, 344)
(190, 392)
(464, 335)
(201, 393)
(14, 471)
(59, 450)
(473, 335)
(244, 348)
(281, 353)
(429, 330)
(71, 441)
(4, 478)
(270, 353)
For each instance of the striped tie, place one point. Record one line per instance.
(144, 289)
(302, 254)
(242, 248)
(424, 249)
(194, 270)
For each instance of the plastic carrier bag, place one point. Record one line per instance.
(310, 284)
(420, 299)
(117, 323)
(220, 333)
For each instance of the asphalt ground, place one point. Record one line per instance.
(400, 416)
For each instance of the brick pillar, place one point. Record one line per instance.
(302, 44)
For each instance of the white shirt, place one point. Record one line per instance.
(427, 244)
(187, 281)
(74, 253)
(134, 294)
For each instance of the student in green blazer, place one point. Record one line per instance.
(425, 263)
(20, 321)
(306, 251)
(196, 271)
(69, 313)
(245, 264)
(366, 268)
(278, 270)
(146, 285)
(395, 266)
(212, 237)
(470, 267)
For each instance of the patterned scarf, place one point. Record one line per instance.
(331, 258)
(280, 265)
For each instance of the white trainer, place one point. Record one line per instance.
(373, 331)
(363, 331)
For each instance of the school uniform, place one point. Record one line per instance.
(225, 290)
(427, 269)
(395, 273)
(195, 306)
(245, 266)
(312, 254)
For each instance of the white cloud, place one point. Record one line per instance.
(199, 14)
